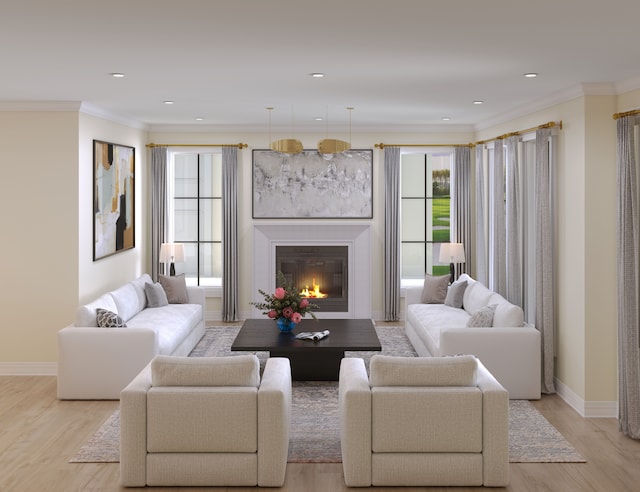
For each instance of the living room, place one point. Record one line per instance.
(47, 153)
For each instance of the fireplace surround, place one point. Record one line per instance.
(355, 238)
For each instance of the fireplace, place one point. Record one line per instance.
(345, 275)
(320, 272)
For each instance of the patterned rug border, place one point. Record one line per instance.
(315, 435)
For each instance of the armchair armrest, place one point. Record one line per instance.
(274, 420)
(495, 424)
(133, 430)
(97, 363)
(354, 397)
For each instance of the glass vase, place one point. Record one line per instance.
(285, 325)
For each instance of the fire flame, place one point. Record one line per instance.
(314, 292)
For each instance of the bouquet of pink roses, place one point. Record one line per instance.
(285, 302)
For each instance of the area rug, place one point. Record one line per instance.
(315, 436)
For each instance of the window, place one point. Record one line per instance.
(425, 212)
(195, 214)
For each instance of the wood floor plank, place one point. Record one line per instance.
(39, 434)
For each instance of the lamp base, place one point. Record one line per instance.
(172, 269)
(452, 271)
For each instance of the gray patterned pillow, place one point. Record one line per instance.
(109, 319)
(482, 318)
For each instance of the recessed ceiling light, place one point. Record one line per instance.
(168, 102)
(318, 118)
(478, 102)
(317, 75)
(117, 75)
(530, 75)
(446, 118)
(199, 118)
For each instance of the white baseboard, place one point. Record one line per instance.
(28, 368)
(588, 409)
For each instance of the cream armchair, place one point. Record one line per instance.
(189, 421)
(438, 421)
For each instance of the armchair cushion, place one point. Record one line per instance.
(387, 370)
(234, 370)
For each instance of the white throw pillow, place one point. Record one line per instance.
(482, 318)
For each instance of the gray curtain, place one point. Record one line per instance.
(158, 206)
(481, 238)
(461, 205)
(497, 239)
(627, 246)
(513, 217)
(230, 233)
(391, 280)
(545, 286)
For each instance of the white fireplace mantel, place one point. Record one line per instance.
(356, 237)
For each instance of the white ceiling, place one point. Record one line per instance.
(402, 64)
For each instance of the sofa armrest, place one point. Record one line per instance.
(97, 363)
(196, 295)
(354, 397)
(412, 295)
(495, 432)
(133, 430)
(274, 420)
(512, 355)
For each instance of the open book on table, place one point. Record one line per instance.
(313, 335)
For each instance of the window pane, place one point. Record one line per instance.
(413, 220)
(211, 175)
(186, 175)
(185, 220)
(441, 219)
(190, 265)
(412, 175)
(437, 268)
(413, 260)
(211, 263)
(211, 220)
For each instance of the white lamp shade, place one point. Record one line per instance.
(171, 252)
(452, 253)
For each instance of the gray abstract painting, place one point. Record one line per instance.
(312, 185)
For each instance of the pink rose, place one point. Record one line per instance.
(303, 303)
(272, 314)
(296, 317)
(287, 312)
(280, 293)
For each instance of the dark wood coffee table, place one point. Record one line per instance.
(310, 361)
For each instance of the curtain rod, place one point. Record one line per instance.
(239, 145)
(549, 124)
(383, 145)
(626, 113)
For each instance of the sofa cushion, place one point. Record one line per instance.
(430, 319)
(238, 370)
(476, 296)
(434, 290)
(109, 319)
(176, 288)
(86, 315)
(138, 284)
(507, 314)
(156, 296)
(483, 317)
(173, 323)
(126, 298)
(455, 294)
(388, 370)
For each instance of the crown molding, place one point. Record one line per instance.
(628, 85)
(98, 112)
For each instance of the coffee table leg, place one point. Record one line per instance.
(313, 366)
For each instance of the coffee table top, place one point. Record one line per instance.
(344, 334)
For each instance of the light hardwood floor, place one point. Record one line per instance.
(38, 435)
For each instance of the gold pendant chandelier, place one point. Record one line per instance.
(332, 145)
(285, 145)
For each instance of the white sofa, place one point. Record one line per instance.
(96, 363)
(510, 348)
(206, 421)
(416, 421)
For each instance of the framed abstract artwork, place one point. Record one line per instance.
(113, 198)
(310, 185)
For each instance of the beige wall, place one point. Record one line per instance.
(39, 246)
